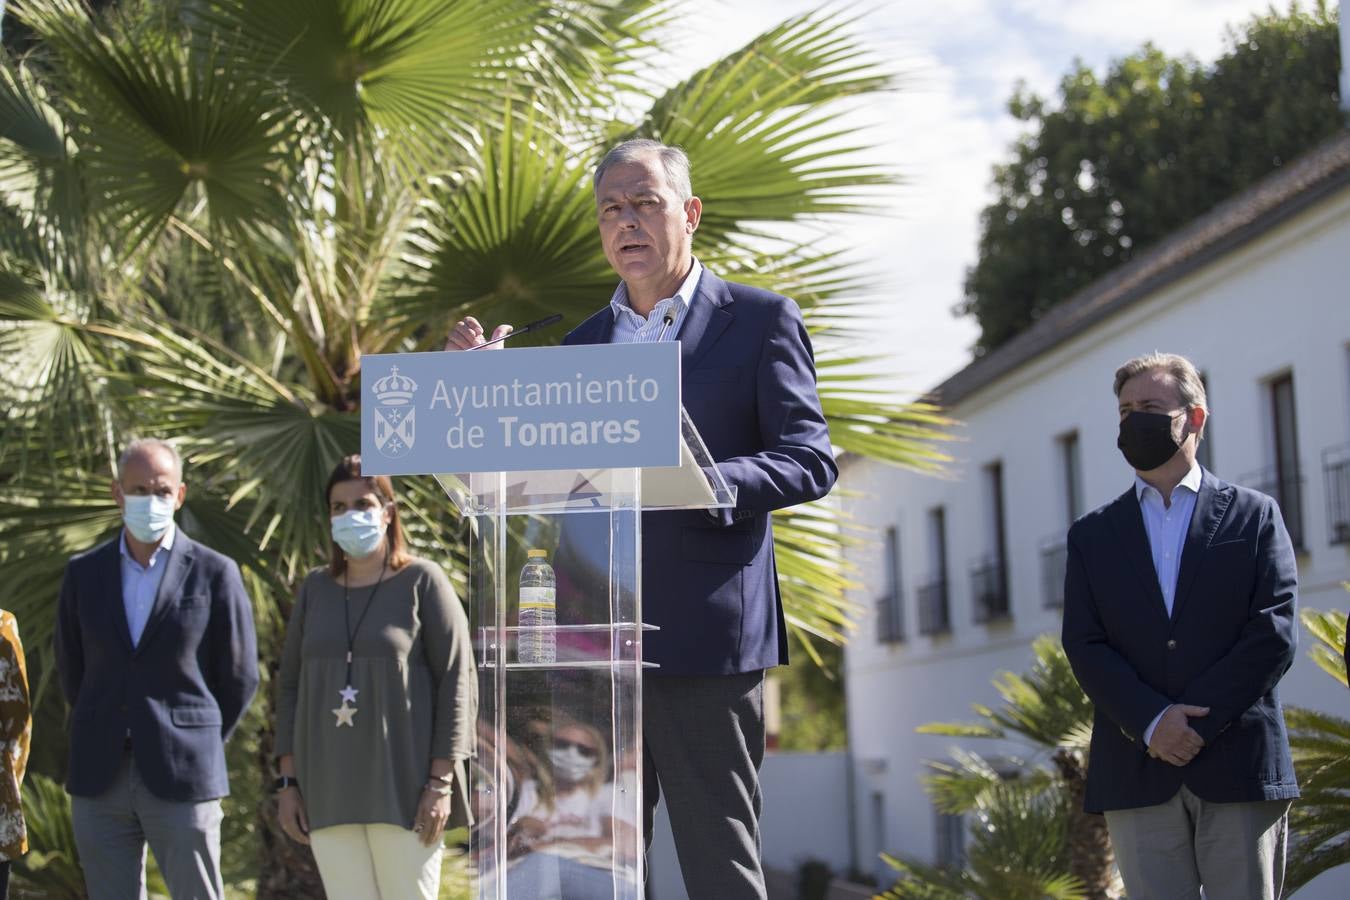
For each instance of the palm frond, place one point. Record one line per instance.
(268, 451)
(410, 75)
(1320, 745)
(1046, 705)
(511, 239)
(809, 547)
(53, 382)
(52, 866)
(157, 118)
(1329, 630)
(761, 128)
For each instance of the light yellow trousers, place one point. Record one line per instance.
(375, 862)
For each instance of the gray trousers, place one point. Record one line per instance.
(112, 830)
(704, 743)
(1188, 848)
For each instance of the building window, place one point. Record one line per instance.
(1287, 481)
(1336, 471)
(1283, 479)
(1071, 465)
(1204, 451)
(934, 614)
(1053, 551)
(989, 576)
(890, 606)
(950, 833)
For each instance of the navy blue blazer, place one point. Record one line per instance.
(709, 581)
(179, 692)
(1231, 637)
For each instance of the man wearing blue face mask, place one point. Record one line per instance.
(1179, 622)
(158, 660)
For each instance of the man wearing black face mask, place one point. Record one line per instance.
(1179, 621)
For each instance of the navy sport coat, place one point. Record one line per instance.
(178, 693)
(1231, 637)
(709, 581)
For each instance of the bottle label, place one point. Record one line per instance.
(538, 598)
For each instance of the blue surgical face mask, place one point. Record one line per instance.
(359, 531)
(147, 516)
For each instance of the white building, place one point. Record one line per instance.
(969, 569)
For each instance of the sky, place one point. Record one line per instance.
(945, 128)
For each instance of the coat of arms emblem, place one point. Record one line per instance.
(395, 416)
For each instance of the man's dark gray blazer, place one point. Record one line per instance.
(748, 381)
(178, 693)
(1231, 637)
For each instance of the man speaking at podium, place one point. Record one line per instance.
(709, 581)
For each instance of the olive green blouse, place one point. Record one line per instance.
(417, 696)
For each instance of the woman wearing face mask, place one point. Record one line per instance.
(377, 705)
(564, 848)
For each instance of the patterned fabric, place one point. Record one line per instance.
(16, 728)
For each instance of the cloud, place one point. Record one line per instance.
(948, 125)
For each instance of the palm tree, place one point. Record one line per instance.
(1019, 817)
(1320, 742)
(210, 210)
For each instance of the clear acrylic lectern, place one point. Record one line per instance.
(558, 779)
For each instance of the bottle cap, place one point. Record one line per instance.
(542, 554)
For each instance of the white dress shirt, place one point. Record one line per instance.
(141, 583)
(632, 328)
(1166, 527)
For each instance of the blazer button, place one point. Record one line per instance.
(1171, 645)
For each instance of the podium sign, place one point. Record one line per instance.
(543, 408)
(553, 455)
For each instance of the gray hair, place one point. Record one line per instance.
(1190, 386)
(144, 447)
(673, 160)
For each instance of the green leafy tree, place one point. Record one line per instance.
(211, 210)
(1121, 161)
(1320, 819)
(1031, 837)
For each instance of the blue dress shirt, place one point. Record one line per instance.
(1166, 527)
(141, 583)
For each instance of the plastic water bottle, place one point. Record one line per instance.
(538, 611)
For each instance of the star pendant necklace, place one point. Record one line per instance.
(347, 710)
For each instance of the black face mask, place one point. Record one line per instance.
(1146, 440)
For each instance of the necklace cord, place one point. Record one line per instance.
(347, 611)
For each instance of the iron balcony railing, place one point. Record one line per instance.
(1336, 471)
(1054, 560)
(934, 612)
(891, 618)
(989, 590)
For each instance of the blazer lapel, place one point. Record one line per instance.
(1210, 505)
(707, 318)
(111, 565)
(1128, 521)
(598, 329)
(175, 570)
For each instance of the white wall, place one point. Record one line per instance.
(1279, 304)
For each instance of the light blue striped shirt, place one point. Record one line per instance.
(631, 328)
(1166, 527)
(141, 583)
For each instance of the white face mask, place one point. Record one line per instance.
(147, 516)
(570, 764)
(358, 531)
